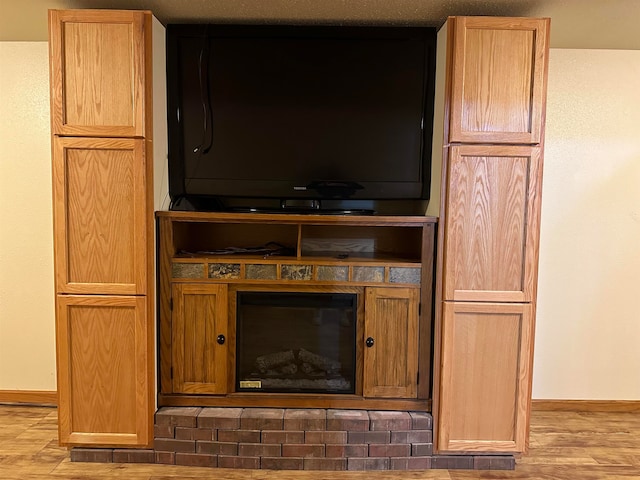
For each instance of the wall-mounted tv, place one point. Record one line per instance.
(277, 114)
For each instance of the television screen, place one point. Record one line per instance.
(286, 112)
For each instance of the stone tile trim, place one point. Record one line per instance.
(224, 270)
(294, 439)
(368, 274)
(297, 272)
(405, 275)
(187, 270)
(332, 273)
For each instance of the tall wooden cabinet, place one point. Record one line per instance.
(488, 242)
(103, 225)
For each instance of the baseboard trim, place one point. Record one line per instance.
(50, 397)
(43, 397)
(585, 405)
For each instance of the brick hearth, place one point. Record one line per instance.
(293, 439)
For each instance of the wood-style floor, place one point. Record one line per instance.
(564, 445)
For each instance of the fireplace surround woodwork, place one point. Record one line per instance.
(493, 143)
(385, 261)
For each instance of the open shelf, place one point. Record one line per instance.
(311, 238)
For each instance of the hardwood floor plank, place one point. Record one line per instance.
(563, 446)
(577, 456)
(22, 446)
(618, 458)
(553, 472)
(386, 475)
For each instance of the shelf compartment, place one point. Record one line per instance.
(198, 238)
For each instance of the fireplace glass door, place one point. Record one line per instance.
(295, 342)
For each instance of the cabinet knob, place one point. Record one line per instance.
(369, 342)
(220, 339)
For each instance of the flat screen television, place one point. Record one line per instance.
(298, 115)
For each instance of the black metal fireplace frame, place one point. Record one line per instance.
(297, 299)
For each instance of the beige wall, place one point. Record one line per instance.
(27, 349)
(27, 323)
(433, 208)
(161, 198)
(588, 331)
(588, 328)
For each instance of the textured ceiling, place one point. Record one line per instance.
(574, 23)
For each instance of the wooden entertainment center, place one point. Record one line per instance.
(386, 260)
(469, 364)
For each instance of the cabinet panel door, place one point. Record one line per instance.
(103, 371)
(100, 219)
(485, 383)
(492, 223)
(391, 362)
(498, 79)
(97, 60)
(199, 316)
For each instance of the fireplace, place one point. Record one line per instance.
(296, 342)
(338, 326)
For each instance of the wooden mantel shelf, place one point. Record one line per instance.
(295, 218)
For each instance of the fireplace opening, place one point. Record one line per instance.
(289, 342)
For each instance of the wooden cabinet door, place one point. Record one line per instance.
(97, 64)
(391, 342)
(105, 391)
(485, 382)
(100, 216)
(200, 318)
(491, 223)
(498, 79)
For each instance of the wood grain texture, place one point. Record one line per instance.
(356, 220)
(391, 364)
(99, 206)
(147, 56)
(150, 251)
(38, 397)
(103, 370)
(439, 289)
(492, 220)
(232, 313)
(277, 400)
(166, 250)
(565, 446)
(360, 337)
(425, 328)
(307, 260)
(498, 79)
(199, 315)
(485, 384)
(98, 72)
